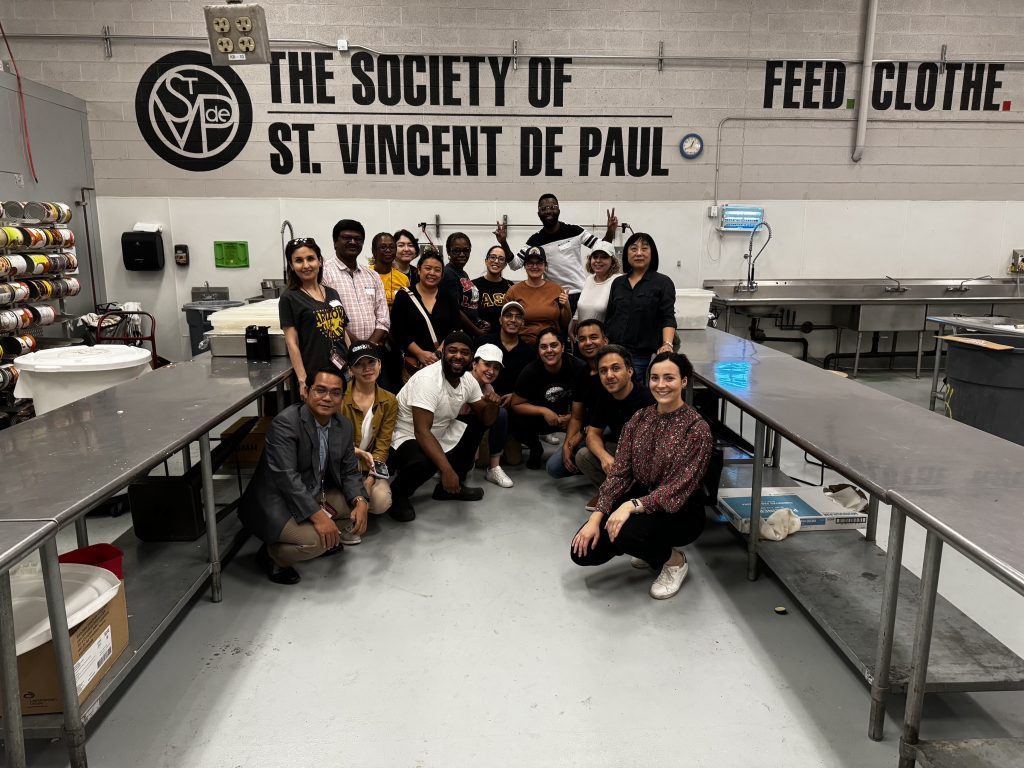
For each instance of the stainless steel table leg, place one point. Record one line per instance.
(81, 532)
(74, 729)
(210, 508)
(14, 737)
(922, 647)
(728, 318)
(776, 450)
(856, 356)
(688, 394)
(755, 500)
(935, 368)
(920, 351)
(839, 345)
(186, 457)
(886, 624)
(280, 397)
(872, 527)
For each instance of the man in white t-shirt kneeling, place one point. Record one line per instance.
(429, 437)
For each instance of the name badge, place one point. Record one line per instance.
(369, 291)
(565, 246)
(334, 303)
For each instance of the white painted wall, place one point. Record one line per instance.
(812, 239)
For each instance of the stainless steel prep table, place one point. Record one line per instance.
(982, 324)
(987, 530)
(97, 446)
(18, 539)
(875, 440)
(867, 305)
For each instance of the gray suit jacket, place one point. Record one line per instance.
(287, 479)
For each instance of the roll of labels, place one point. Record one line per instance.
(22, 245)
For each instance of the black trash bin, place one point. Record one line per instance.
(197, 314)
(987, 385)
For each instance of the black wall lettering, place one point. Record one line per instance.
(322, 75)
(362, 90)
(613, 154)
(389, 80)
(276, 57)
(491, 133)
(792, 83)
(415, 93)
(590, 147)
(349, 149)
(771, 81)
(391, 142)
(970, 94)
(926, 89)
(539, 89)
(902, 104)
(991, 83)
(281, 159)
(499, 68)
(811, 81)
(834, 95)
(880, 98)
(474, 63)
(439, 144)
(947, 94)
(530, 157)
(419, 165)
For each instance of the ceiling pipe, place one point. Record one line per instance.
(866, 76)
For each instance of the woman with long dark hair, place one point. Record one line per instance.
(312, 317)
(642, 305)
(651, 503)
(423, 315)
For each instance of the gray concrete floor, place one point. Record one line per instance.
(468, 638)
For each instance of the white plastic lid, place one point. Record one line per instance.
(694, 292)
(102, 357)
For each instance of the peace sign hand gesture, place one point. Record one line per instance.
(501, 232)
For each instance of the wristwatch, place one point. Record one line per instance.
(637, 506)
(360, 498)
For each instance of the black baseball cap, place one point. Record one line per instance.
(363, 349)
(535, 254)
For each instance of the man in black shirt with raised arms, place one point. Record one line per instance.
(562, 245)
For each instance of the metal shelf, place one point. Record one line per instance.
(160, 581)
(971, 753)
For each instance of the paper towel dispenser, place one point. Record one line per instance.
(142, 250)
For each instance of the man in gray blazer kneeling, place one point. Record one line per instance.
(307, 489)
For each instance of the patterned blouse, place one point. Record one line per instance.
(665, 452)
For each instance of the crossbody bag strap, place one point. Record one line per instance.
(423, 311)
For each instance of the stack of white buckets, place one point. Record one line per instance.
(56, 377)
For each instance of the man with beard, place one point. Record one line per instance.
(561, 244)
(429, 437)
(619, 399)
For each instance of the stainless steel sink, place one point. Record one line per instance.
(869, 291)
(211, 305)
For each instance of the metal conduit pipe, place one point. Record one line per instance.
(653, 57)
(870, 17)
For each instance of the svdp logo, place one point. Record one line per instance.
(195, 116)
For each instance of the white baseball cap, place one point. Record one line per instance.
(489, 353)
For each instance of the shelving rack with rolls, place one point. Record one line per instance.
(38, 262)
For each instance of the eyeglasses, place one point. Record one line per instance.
(351, 238)
(298, 241)
(385, 248)
(320, 391)
(495, 257)
(459, 251)
(534, 263)
(547, 207)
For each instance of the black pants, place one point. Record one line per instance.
(415, 468)
(649, 536)
(528, 429)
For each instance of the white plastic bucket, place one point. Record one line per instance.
(56, 377)
(692, 308)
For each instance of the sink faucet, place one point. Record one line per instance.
(751, 285)
(291, 236)
(963, 288)
(898, 288)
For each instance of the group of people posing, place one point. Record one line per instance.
(409, 369)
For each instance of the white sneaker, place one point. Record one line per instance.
(497, 476)
(551, 439)
(669, 581)
(636, 562)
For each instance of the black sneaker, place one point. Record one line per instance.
(466, 493)
(401, 510)
(276, 573)
(536, 458)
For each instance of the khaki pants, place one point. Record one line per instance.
(590, 465)
(300, 541)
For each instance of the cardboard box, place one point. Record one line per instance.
(96, 644)
(251, 448)
(817, 511)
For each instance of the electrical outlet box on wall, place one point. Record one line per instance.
(238, 34)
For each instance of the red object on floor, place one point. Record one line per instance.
(101, 555)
